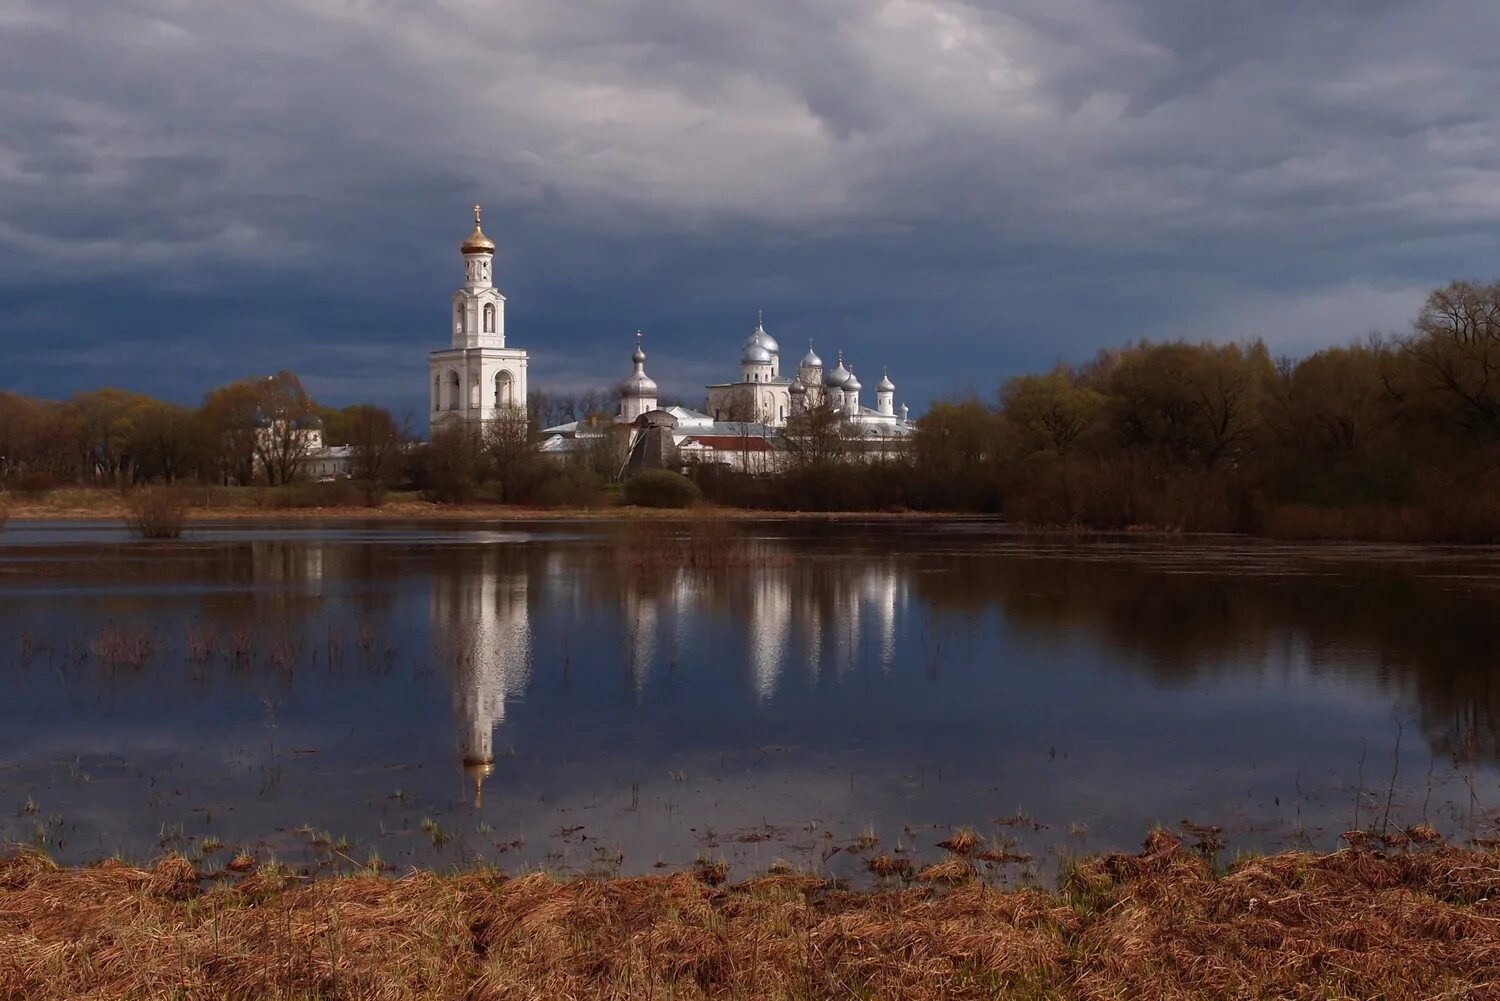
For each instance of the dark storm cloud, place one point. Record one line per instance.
(195, 192)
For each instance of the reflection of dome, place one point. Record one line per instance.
(755, 354)
(836, 378)
(477, 242)
(478, 771)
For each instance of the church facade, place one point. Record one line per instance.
(763, 395)
(477, 378)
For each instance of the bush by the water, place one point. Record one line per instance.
(661, 488)
(156, 512)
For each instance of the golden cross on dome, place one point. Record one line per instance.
(476, 215)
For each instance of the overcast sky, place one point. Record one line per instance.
(192, 192)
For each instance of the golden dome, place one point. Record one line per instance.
(477, 243)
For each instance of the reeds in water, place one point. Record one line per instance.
(156, 512)
(700, 541)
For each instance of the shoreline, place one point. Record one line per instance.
(429, 511)
(1420, 919)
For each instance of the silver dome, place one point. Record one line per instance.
(638, 385)
(755, 354)
(836, 377)
(811, 359)
(759, 336)
(851, 384)
(886, 385)
(797, 389)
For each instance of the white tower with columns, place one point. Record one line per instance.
(478, 378)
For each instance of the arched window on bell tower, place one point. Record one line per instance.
(489, 317)
(505, 390)
(437, 391)
(458, 318)
(455, 391)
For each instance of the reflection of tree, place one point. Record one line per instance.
(1206, 616)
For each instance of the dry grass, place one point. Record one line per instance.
(1160, 924)
(254, 504)
(962, 841)
(886, 865)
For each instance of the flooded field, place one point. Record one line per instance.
(821, 694)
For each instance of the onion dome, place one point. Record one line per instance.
(759, 335)
(851, 384)
(308, 422)
(638, 385)
(885, 385)
(755, 354)
(797, 389)
(811, 359)
(477, 242)
(836, 378)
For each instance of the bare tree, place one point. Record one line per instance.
(818, 436)
(511, 447)
(1456, 343)
(284, 439)
(375, 443)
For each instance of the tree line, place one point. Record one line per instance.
(1388, 437)
(250, 431)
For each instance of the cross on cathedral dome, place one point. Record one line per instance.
(477, 242)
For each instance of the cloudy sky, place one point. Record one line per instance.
(192, 192)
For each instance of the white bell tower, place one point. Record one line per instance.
(478, 378)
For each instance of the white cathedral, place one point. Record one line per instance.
(478, 379)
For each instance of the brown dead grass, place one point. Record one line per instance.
(1159, 924)
(962, 841)
(248, 504)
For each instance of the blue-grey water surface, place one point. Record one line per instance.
(310, 691)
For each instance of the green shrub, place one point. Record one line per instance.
(661, 488)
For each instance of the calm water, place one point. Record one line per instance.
(312, 690)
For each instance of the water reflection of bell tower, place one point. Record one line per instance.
(767, 624)
(481, 622)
